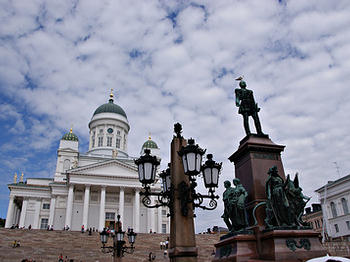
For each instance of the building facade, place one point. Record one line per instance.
(89, 189)
(334, 198)
(314, 217)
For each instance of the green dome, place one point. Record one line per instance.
(110, 107)
(149, 144)
(70, 136)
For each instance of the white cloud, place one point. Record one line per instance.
(59, 61)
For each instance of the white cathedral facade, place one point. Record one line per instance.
(89, 189)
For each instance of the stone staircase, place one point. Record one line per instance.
(42, 245)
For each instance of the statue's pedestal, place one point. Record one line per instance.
(255, 155)
(238, 248)
(253, 158)
(290, 245)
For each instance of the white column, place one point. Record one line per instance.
(121, 206)
(159, 220)
(152, 216)
(102, 209)
(52, 210)
(10, 209)
(86, 206)
(137, 211)
(69, 206)
(23, 213)
(36, 214)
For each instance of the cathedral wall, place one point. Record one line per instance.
(143, 219)
(77, 216)
(58, 221)
(128, 217)
(94, 210)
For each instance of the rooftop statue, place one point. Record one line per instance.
(247, 106)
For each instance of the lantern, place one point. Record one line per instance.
(191, 158)
(147, 167)
(211, 171)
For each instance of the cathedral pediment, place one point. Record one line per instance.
(110, 168)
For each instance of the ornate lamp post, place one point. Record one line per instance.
(118, 247)
(179, 191)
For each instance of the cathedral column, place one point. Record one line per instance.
(52, 210)
(137, 210)
(102, 209)
(150, 217)
(121, 205)
(9, 216)
(69, 206)
(86, 207)
(23, 213)
(36, 214)
(160, 220)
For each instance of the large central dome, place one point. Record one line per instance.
(110, 107)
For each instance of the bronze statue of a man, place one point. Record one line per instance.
(247, 107)
(238, 211)
(227, 208)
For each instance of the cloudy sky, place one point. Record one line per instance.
(175, 61)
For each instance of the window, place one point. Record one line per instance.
(117, 142)
(336, 228)
(345, 206)
(44, 223)
(94, 197)
(109, 141)
(334, 210)
(348, 224)
(93, 142)
(66, 165)
(110, 215)
(100, 141)
(46, 206)
(78, 197)
(164, 228)
(118, 133)
(164, 212)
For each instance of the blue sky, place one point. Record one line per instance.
(175, 61)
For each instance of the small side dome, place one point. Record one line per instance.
(70, 136)
(149, 144)
(110, 107)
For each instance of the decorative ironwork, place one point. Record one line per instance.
(192, 156)
(163, 198)
(188, 194)
(119, 247)
(303, 243)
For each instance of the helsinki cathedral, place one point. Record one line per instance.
(90, 188)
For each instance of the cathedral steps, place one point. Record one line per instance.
(42, 245)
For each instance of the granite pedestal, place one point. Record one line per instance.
(252, 160)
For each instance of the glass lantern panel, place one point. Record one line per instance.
(184, 162)
(168, 182)
(164, 184)
(104, 238)
(198, 162)
(131, 238)
(191, 161)
(207, 175)
(120, 236)
(154, 172)
(141, 172)
(148, 171)
(215, 176)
